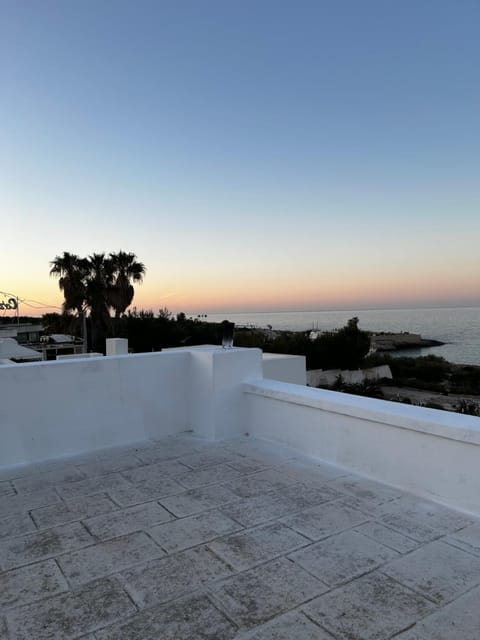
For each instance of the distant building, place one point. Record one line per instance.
(24, 333)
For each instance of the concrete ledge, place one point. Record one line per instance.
(430, 453)
(66, 407)
(453, 426)
(286, 368)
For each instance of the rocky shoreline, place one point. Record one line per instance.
(381, 342)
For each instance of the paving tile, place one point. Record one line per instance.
(35, 468)
(366, 489)
(71, 510)
(411, 634)
(168, 468)
(254, 596)
(69, 615)
(437, 571)
(165, 450)
(342, 557)
(33, 483)
(162, 580)
(197, 500)
(15, 524)
(373, 607)
(459, 620)
(250, 512)
(333, 508)
(307, 494)
(27, 584)
(277, 479)
(255, 484)
(6, 489)
(249, 548)
(245, 465)
(207, 475)
(289, 626)
(258, 451)
(15, 504)
(40, 546)
(90, 486)
(412, 528)
(430, 514)
(368, 507)
(388, 537)
(325, 520)
(194, 530)
(307, 470)
(268, 506)
(193, 618)
(118, 523)
(467, 539)
(152, 489)
(207, 458)
(105, 558)
(110, 464)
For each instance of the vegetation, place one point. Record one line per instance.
(369, 388)
(344, 348)
(430, 373)
(93, 286)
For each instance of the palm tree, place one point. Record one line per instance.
(99, 283)
(126, 269)
(71, 272)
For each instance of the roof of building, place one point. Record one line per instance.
(187, 539)
(10, 349)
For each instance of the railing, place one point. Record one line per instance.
(61, 408)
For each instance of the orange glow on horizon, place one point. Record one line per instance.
(277, 292)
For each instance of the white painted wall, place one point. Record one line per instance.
(216, 405)
(59, 408)
(286, 368)
(434, 454)
(65, 407)
(116, 346)
(62, 408)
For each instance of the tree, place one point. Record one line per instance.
(95, 284)
(125, 270)
(98, 285)
(72, 272)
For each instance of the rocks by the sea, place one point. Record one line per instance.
(396, 341)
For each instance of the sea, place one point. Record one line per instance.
(458, 328)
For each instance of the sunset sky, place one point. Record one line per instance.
(255, 155)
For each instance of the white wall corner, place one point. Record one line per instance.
(217, 407)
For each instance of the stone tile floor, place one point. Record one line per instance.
(183, 539)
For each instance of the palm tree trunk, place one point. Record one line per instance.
(84, 331)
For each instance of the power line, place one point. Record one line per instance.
(27, 301)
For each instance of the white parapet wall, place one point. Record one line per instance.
(433, 454)
(215, 400)
(283, 367)
(116, 346)
(65, 407)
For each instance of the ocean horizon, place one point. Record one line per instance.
(457, 327)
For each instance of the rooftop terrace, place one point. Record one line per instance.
(186, 539)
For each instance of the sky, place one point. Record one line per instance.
(255, 155)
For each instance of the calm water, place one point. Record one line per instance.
(459, 327)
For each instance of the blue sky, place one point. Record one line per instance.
(255, 155)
